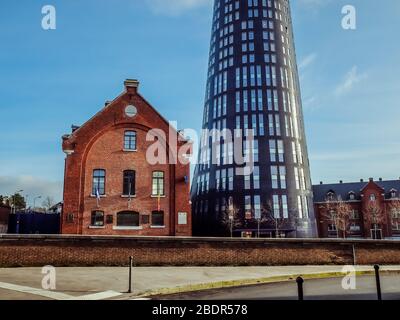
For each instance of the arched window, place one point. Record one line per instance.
(372, 197)
(99, 182)
(130, 140)
(158, 184)
(128, 219)
(129, 183)
(97, 219)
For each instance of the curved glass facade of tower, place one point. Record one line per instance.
(253, 85)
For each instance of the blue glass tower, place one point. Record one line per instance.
(253, 84)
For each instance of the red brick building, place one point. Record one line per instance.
(4, 214)
(371, 209)
(111, 187)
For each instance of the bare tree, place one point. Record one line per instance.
(339, 212)
(394, 208)
(277, 223)
(230, 219)
(48, 203)
(262, 219)
(374, 213)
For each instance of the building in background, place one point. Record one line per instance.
(110, 187)
(56, 209)
(253, 84)
(358, 210)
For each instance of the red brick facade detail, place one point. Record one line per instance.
(99, 144)
(4, 214)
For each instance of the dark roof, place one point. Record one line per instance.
(343, 189)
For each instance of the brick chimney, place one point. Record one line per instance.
(131, 85)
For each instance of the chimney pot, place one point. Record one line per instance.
(131, 85)
(361, 180)
(321, 182)
(341, 181)
(380, 179)
(371, 179)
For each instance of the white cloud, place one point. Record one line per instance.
(350, 80)
(175, 7)
(308, 60)
(32, 186)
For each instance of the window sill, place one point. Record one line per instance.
(94, 196)
(128, 150)
(97, 227)
(153, 196)
(127, 197)
(157, 227)
(127, 228)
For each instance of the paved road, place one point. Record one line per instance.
(112, 282)
(322, 289)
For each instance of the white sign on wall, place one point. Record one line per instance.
(182, 218)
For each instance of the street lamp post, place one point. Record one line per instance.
(34, 201)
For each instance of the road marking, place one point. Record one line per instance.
(98, 296)
(34, 291)
(58, 295)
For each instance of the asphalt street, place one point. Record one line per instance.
(321, 289)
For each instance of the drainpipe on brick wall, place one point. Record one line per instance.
(354, 255)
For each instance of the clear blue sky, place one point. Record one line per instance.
(52, 79)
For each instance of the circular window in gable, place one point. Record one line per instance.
(130, 111)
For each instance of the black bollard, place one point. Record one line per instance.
(300, 282)
(130, 274)
(378, 282)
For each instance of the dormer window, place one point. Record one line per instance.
(352, 196)
(393, 194)
(330, 196)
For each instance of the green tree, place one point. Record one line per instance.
(17, 201)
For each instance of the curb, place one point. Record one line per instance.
(251, 282)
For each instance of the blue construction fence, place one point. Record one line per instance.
(34, 223)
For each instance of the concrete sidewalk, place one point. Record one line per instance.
(81, 282)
